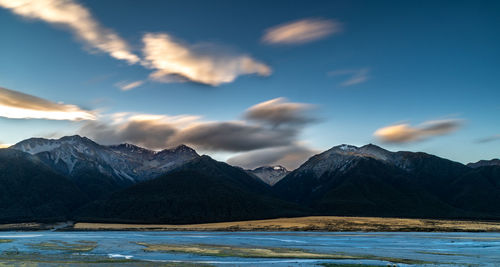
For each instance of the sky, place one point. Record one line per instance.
(254, 82)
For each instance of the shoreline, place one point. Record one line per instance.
(305, 224)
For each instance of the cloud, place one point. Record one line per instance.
(301, 31)
(17, 105)
(161, 131)
(489, 139)
(151, 131)
(206, 64)
(126, 86)
(4, 145)
(404, 133)
(279, 111)
(355, 76)
(78, 20)
(233, 136)
(291, 157)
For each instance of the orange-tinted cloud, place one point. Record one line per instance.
(78, 20)
(405, 133)
(17, 105)
(174, 61)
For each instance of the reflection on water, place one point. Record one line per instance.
(405, 249)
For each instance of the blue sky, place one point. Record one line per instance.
(432, 66)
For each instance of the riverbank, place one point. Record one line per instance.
(313, 223)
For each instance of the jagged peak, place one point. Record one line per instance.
(128, 146)
(179, 148)
(345, 147)
(271, 167)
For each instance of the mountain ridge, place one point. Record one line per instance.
(343, 180)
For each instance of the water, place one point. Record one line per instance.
(446, 249)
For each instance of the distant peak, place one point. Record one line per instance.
(370, 145)
(178, 149)
(182, 147)
(125, 145)
(130, 147)
(482, 163)
(345, 147)
(279, 167)
(274, 167)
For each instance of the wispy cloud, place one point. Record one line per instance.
(354, 76)
(404, 133)
(489, 139)
(126, 86)
(291, 157)
(17, 105)
(301, 31)
(78, 20)
(280, 111)
(160, 131)
(206, 64)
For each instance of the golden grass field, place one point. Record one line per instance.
(312, 223)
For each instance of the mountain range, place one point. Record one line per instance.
(74, 178)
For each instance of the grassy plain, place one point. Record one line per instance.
(312, 223)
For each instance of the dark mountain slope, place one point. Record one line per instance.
(478, 190)
(29, 191)
(367, 188)
(371, 181)
(203, 190)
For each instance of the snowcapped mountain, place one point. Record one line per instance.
(270, 174)
(341, 158)
(369, 180)
(73, 155)
(482, 163)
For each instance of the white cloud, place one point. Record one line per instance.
(126, 86)
(301, 31)
(17, 105)
(404, 133)
(78, 20)
(174, 62)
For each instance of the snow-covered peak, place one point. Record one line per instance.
(270, 174)
(76, 154)
(369, 150)
(130, 148)
(343, 157)
(345, 147)
(38, 145)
